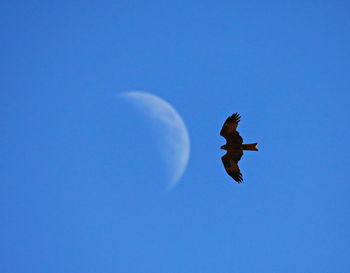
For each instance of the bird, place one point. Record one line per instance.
(234, 147)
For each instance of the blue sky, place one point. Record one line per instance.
(82, 184)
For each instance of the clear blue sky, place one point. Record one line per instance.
(82, 185)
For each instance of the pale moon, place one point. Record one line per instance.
(175, 138)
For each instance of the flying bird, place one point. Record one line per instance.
(234, 147)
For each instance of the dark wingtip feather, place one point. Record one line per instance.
(238, 178)
(235, 117)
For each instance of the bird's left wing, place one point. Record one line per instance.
(230, 161)
(229, 129)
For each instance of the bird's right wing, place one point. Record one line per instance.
(230, 161)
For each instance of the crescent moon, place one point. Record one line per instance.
(176, 149)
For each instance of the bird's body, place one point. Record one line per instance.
(234, 147)
(241, 147)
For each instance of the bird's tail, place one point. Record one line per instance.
(250, 147)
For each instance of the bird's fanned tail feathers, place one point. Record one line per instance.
(250, 147)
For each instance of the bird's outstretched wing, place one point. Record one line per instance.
(230, 161)
(229, 131)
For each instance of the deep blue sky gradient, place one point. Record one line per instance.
(82, 185)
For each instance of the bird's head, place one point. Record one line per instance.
(223, 147)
